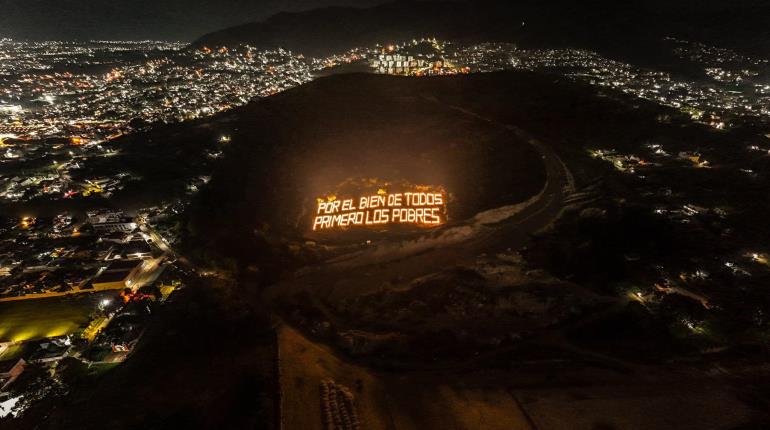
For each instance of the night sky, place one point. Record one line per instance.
(182, 20)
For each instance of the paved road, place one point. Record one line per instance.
(490, 231)
(548, 205)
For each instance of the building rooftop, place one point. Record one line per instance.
(111, 276)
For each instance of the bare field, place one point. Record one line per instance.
(33, 319)
(384, 401)
(681, 407)
(303, 365)
(528, 397)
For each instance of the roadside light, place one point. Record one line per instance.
(26, 221)
(760, 258)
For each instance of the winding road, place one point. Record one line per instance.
(493, 231)
(506, 227)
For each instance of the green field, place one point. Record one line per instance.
(32, 319)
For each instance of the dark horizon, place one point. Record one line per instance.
(170, 20)
(187, 20)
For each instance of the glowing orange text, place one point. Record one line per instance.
(398, 208)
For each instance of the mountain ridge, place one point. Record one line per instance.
(531, 23)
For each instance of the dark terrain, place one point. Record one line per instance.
(624, 29)
(419, 300)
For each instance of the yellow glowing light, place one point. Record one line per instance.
(27, 221)
(114, 74)
(761, 258)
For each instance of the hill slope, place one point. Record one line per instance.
(290, 149)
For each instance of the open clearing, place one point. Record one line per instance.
(383, 401)
(33, 319)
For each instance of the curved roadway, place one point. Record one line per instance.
(491, 231)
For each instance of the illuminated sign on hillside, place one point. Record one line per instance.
(420, 208)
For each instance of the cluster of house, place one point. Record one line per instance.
(50, 257)
(61, 257)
